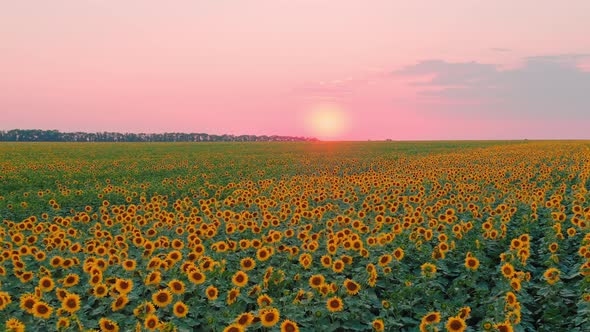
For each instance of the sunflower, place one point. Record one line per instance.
(123, 286)
(175, 255)
(384, 260)
(262, 254)
(46, 284)
(508, 270)
(196, 277)
(511, 298)
(176, 286)
(372, 281)
(378, 325)
(96, 278)
(428, 269)
(464, 312)
(326, 261)
(247, 264)
(56, 261)
(119, 303)
(515, 284)
(325, 289)
(4, 300)
(151, 322)
(264, 300)
(571, 232)
(432, 317)
(244, 244)
(62, 323)
(471, 263)
(338, 266)
(145, 308)
(515, 244)
(487, 325)
(504, 327)
(289, 326)
(162, 298)
(71, 303)
(26, 277)
(240, 279)
(107, 325)
(513, 317)
(42, 310)
(256, 289)
(18, 264)
(27, 302)
(305, 260)
(352, 287)
(334, 304)
(180, 309)
(70, 280)
(100, 290)
(269, 317)
(15, 325)
(398, 254)
(232, 295)
(455, 324)
(234, 328)
(129, 264)
(153, 278)
(245, 319)
(154, 263)
(551, 275)
(212, 292)
(61, 293)
(316, 281)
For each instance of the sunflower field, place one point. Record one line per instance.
(314, 236)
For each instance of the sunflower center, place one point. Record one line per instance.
(456, 325)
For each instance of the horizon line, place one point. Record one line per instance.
(295, 138)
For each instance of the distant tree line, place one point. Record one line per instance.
(36, 135)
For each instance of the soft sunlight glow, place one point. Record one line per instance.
(327, 121)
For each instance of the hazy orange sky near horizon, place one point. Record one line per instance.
(395, 69)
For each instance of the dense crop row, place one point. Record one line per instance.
(302, 236)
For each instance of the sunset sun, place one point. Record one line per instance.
(327, 121)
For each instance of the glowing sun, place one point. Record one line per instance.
(327, 121)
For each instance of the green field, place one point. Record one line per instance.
(347, 236)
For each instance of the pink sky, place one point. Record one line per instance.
(259, 67)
